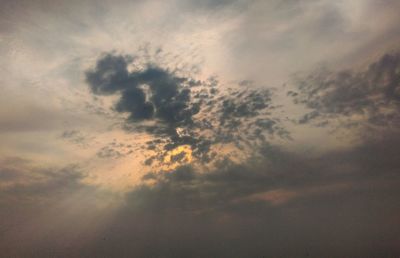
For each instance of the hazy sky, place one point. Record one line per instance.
(215, 128)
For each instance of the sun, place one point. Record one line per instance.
(178, 156)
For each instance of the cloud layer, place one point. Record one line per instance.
(170, 128)
(373, 95)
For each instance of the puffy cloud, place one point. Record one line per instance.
(183, 110)
(152, 93)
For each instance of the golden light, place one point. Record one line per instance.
(177, 156)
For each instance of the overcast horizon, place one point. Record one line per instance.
(183, 128)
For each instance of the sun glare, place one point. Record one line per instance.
(178, 156)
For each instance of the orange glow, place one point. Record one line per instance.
(184, 150)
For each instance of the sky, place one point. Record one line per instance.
(215, 128)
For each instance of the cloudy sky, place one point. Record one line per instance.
(215, 128)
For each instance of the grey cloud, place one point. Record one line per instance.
(248, 106)
(108, 152)
(373, 93)
(274, 168)
(77, 137)
(34, 116)
(276, 38)
(23, 179)
(44, 208)
(279, 203)
(211, 6)
(115, 150)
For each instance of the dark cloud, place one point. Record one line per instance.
(152, 93)
(373, 95)
(273, 168)
(183, 110)
(273, 202)
(279, 203)
(109, 75)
